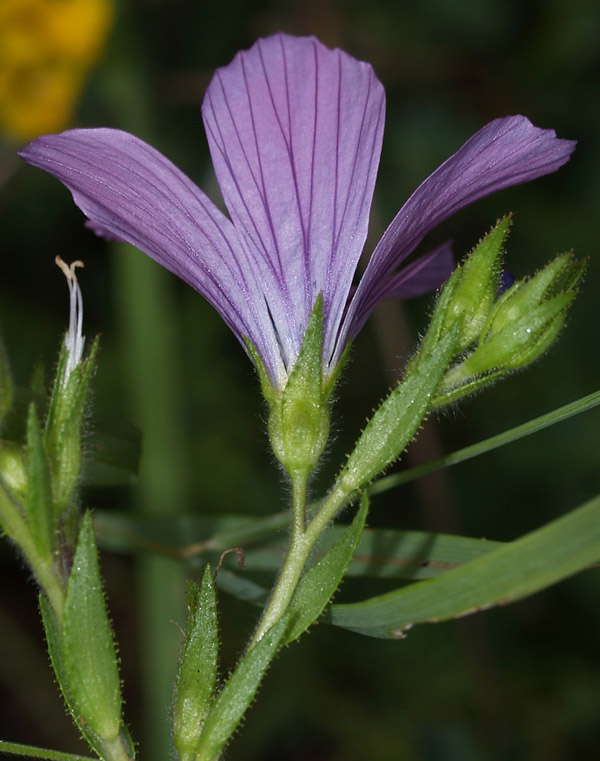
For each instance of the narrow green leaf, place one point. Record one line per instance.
(387, 553)
(238, 693)
(88, 654)
(537, 560)
(31, 751)
(381, 553)
(487, 445)
(39, 494)
(319, 583)
(198, 666)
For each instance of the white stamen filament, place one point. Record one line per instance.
(74, 340)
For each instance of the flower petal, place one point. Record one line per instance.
(131, 192)
(423, 275)
(295, 132)
(505, 152)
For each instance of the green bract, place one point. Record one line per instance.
(197, 675)
(237, 694)
(88, 651)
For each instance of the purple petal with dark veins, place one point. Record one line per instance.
(295, 132)
(505, 152)
(423, 275)
(131, 192)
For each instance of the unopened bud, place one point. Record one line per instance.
(523, 323)
(477, 281)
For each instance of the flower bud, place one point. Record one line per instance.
(469, 294)
(477, 282)
(523, 323)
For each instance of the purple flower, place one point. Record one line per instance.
(295, 132)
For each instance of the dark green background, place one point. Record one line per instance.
(515, 683)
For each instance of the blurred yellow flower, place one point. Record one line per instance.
(46, 50)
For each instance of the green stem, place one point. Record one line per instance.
(286, 584)
(31, 751)
(297, 555)
(299, 480)
(303, 540)
(333, 503)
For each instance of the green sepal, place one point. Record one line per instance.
(299, 412)
(560, 276)
(88, 650)
(64, 423)
(299, 421)
(477, 285)
(329, 382)
(520, 342)
(238, 693)
(39, 492)
(6, 383)
(266, 385)
(197, 674)
(398, 418)
(469, 293)
(319, 583)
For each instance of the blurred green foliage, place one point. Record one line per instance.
(517, 683)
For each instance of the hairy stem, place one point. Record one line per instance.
(303, 540)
